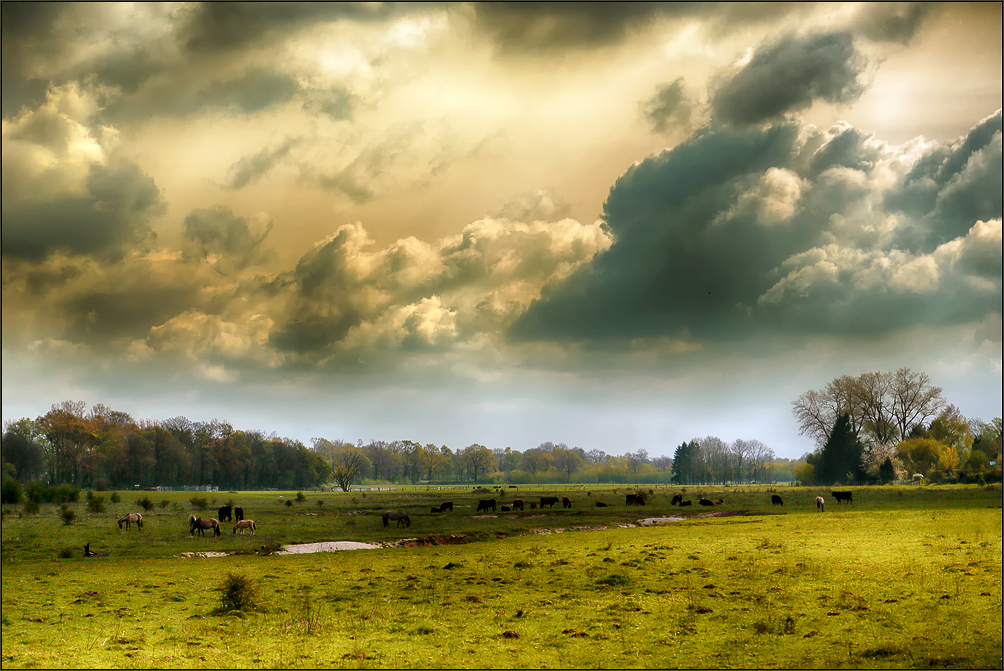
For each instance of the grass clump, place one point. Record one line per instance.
(238, 592)
(67, 515)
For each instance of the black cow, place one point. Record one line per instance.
(843, 496)
(505, 509)
(485, 504)
(446, 505)
(238, 513)
(685, 503)
(548, 501)
(224, 514)
(706, 502)
(677, 499)
(600, 504)
(566, 502)
(436, 509)
(634, 500)
(775, 500)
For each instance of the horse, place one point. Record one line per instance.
(129, 519)
(238, 513)
(398, 515)
(485, 504)
(820, 504)
(245, 524)
(201, 524)
(224, 514)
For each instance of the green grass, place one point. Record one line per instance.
(905, 577)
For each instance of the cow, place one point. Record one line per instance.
(446, 505)
(238, 513)
(634, 500)
(485, 504)
(843, 496)
(775, 500)
(685, 503)
(437, 509)
(533, 505)
(706, 502)
(505, 509)
(600, 504)
(677, 499)
(224, 514)
(548, 501)
(517, 504)
(820, 504)
(566, 502)
(719, 502)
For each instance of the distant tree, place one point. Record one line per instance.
(927, 456)
(478, 460)
(840, 458)
(887, 472)
(663, 464)
(348, 465)
(684, 459)
(567, 461)
(21, 447)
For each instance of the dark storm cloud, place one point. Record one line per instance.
(110, 216)
(780, 228)
(790, 75)
(669, 104)
(893, 21)
(27, 29)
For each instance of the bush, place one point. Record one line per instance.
(31, 507)
(64, 493)
(165, 503)
(67, 553)
(115, 497)
(199, 502)
(145, 503)
(238, 593)
(67, 515)
(300, 498)
(10, 491)
(96, 504)
(289, 503)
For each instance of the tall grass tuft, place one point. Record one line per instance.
(238, 593)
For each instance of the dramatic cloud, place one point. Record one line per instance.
(787, 228)
(789, 75)
(669, 107)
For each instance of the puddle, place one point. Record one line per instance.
(330, 546)
(657, 521)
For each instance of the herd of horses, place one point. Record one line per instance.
(197, 524)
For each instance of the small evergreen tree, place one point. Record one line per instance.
(887, 472)
(840, 458)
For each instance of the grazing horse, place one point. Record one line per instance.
(548, 501)
(398, 515)
(485, 504)
(676, 500)
(517, 504)
(775, 500)
(446, 505)
(224, 514)
(201, 524)
(843, 496)
(820, 504)
(129, 519)
(238, 513)
(245, 524)
(566, 502)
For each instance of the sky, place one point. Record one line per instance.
(615, 226)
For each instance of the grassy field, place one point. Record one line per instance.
(904, 577)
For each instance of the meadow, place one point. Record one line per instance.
(905, 577)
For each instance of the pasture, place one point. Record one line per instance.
(903, 577)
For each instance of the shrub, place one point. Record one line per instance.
(145, 503)
(67, 515)
(320, 503)
(115, 497)
(96, 504)
(67, 553)
(65, 493)
(289, 503)
(300, 498)
(31, 507)
(165, 503)
(10, 491)
(238, 593)
(199, 502)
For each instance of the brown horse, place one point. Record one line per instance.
(245, 524)
(129, 519)
(201, 524)
(398, 515)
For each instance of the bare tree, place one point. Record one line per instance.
(348, 465)
(914, 400)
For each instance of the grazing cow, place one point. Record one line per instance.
(533, 505)
(676, 499)
(548, 501)
(685, 503)
(843, 496)
(238, 513)
(446, 505)
(398, 515)
(245, 524)
(600, 504)
(820, 504)
(775, 500)
(566, 502)
(485, 504)
(437, 509)
(634, 500)
(225, 514)
(517, 504)
(505, 509)
(706, 502)
(129, 519)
